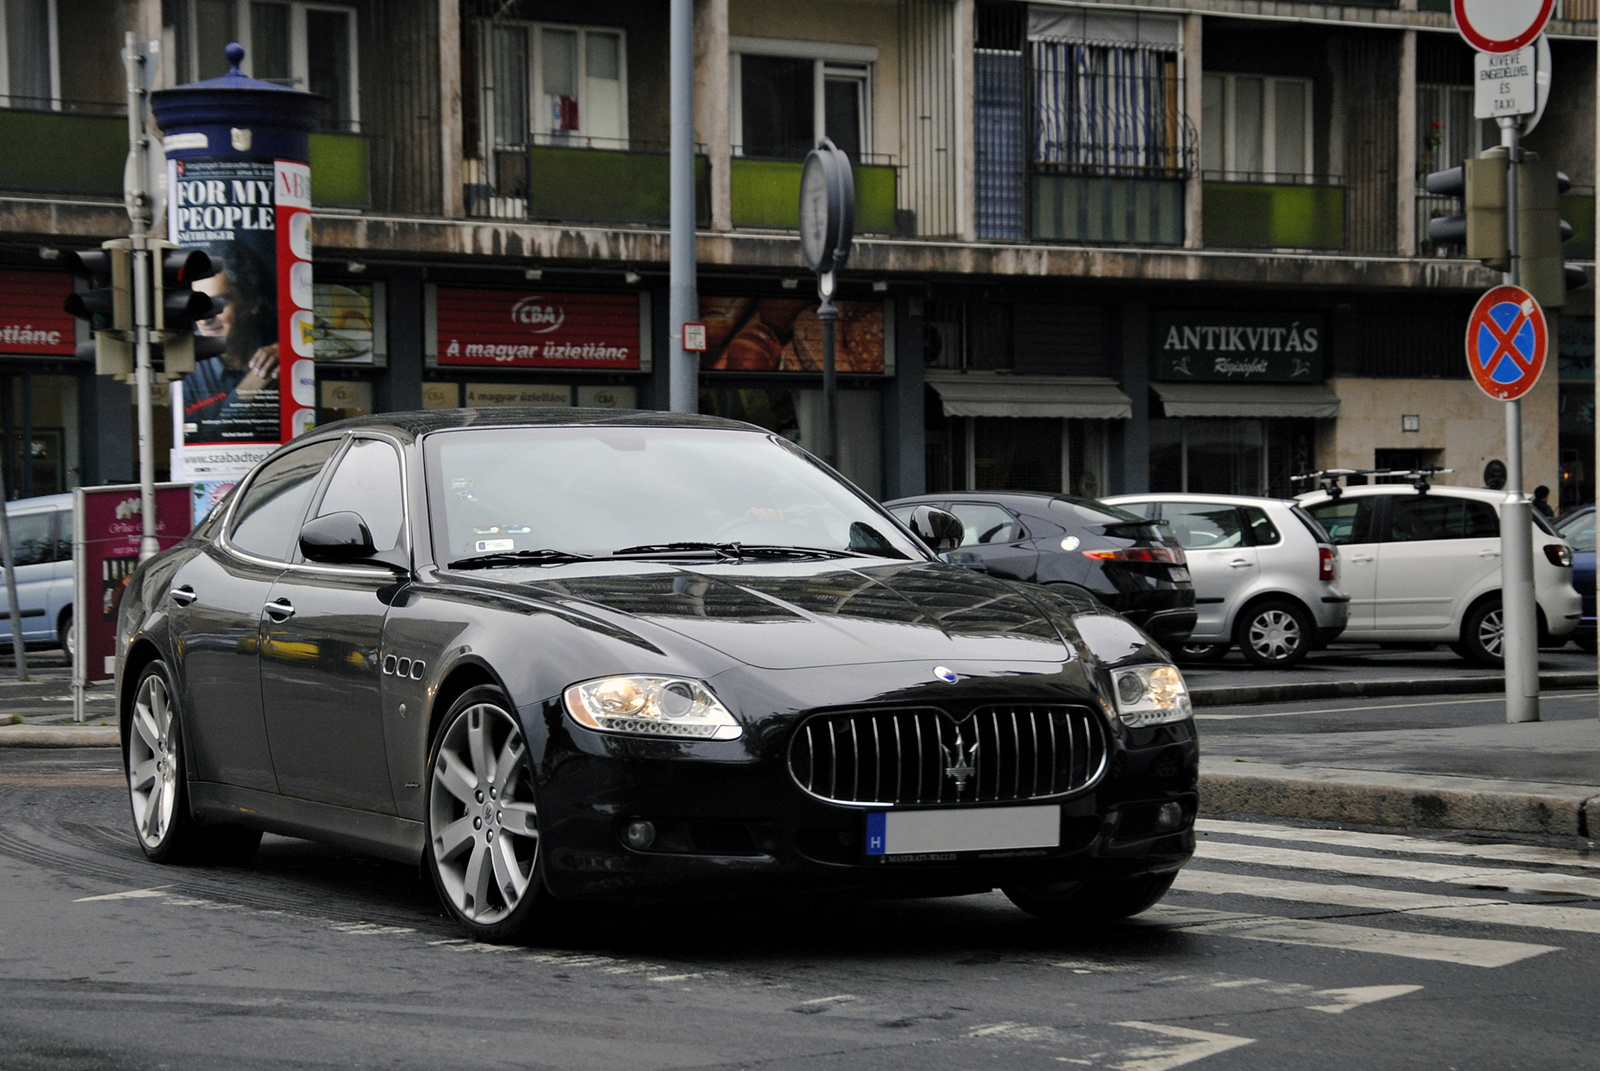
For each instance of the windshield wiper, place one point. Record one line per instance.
(732, 551)
(519, 557)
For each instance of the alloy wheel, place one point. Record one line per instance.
(153, 762)
(1492, 633)
(481, 815)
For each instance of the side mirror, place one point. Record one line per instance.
(337, 537)
(938, 528)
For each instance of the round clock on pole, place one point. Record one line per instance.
(827, 208)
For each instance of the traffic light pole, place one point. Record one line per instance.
(138, 201)
(1519, 613)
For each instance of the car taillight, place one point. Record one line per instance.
(1559, 554)
(1325, 564)
(1168, 555)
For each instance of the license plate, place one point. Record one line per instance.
(977, 830)
(1180, 573)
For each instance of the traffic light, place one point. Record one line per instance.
(1541, 233)
(107, 304)
(177, 306)
(1481, 228)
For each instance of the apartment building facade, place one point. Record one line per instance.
(1102, 247)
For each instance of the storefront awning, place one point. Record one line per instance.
(1247, 399)
(1032, 396)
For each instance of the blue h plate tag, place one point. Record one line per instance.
(964, 829)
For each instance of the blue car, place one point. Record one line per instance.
(1577, 528)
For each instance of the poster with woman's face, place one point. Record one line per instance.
(227, 208)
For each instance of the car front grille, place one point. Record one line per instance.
(924, 755)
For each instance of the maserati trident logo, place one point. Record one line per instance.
(946, 674)
(960, 760)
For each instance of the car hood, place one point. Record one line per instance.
(797, 615)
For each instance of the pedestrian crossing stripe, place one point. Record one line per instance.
(1406, 869)
(1465, 951)
(1459, 908)
(1399, 842)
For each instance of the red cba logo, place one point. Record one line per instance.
(538, 314)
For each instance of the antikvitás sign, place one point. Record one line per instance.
(522, 329)
(1237, 347)
(32, 321)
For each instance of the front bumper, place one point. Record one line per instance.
(730, 820)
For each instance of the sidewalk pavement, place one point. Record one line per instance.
(1539, 778)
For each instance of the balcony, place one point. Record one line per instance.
(1273, 212)
(565, 183)
(341, 170)
(63, 152)
(766, 195)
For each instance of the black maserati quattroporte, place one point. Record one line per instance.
(564, 655)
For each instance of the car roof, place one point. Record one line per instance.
(23, 505)
(421, 422)
(1191, 496)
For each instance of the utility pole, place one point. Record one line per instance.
(140, 217)
(683, 292)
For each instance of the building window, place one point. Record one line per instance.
(29, 75)
(1257, 129)
(305, 46)
(559, 85)
(789, 95)
(1230, 457)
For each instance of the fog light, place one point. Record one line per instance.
(640, 834)
(1168, 815)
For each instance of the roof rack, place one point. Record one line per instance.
(1328, 479)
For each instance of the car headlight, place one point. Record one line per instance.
(651, 706)
(1150, 695)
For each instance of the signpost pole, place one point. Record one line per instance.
(683, 295)
(138, 201)
(828, 313)
(1520, 643)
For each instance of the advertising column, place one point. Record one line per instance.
(237, 152)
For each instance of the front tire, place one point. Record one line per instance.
(483, 828)
(1275, 634)
(1091, 902)
(1483, 635)
(158, 786)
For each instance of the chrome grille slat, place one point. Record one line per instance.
(916, 756)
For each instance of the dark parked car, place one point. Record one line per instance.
(1577, 528)
(1074, 544)
(593, 655)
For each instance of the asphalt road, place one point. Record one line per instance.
(1281, 946)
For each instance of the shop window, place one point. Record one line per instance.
(1257, 128)
(1031, 454)
(787, 95)
(308, 46)
(561, 85)
(1229, 457)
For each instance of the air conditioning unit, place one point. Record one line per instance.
(942, 344)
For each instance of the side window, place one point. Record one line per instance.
(31, 539)
(1422, 517)
(986, 524)
(367, 482)
(1482, 521)
(268, 518)
(1262, 530)
(63, 536)
(1346, 520)
(1203, 525)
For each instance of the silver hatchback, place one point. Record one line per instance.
(1265, 575)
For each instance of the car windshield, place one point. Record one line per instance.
(597, 491)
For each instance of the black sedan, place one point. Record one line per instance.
(560, 655)
(1074, 544)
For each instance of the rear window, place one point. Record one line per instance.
(1346, 520)
(1091, 511)
(1262, 530)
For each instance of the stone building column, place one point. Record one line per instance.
(713, 89)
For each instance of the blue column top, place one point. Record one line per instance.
(238, 116)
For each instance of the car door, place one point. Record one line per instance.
(216, 606)
(321, 640)
(1348, 520)
(1436, 551)
(32, 551)
(1221, 560)
(997, 539)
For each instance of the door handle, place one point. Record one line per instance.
(279, 609)
(1488, 554)
(183, 595)
(1240, 563)
(1363, 558)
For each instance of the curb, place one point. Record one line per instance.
(1411, 801)
(1224, 695)
(59, 736)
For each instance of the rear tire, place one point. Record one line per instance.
(1483, 635)
(1092, 902)
(1275, 634)
(64, 634)
(1200, 654)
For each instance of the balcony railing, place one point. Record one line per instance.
(766, 195)
(341, 170)
(625, 183)
(1273, 211)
